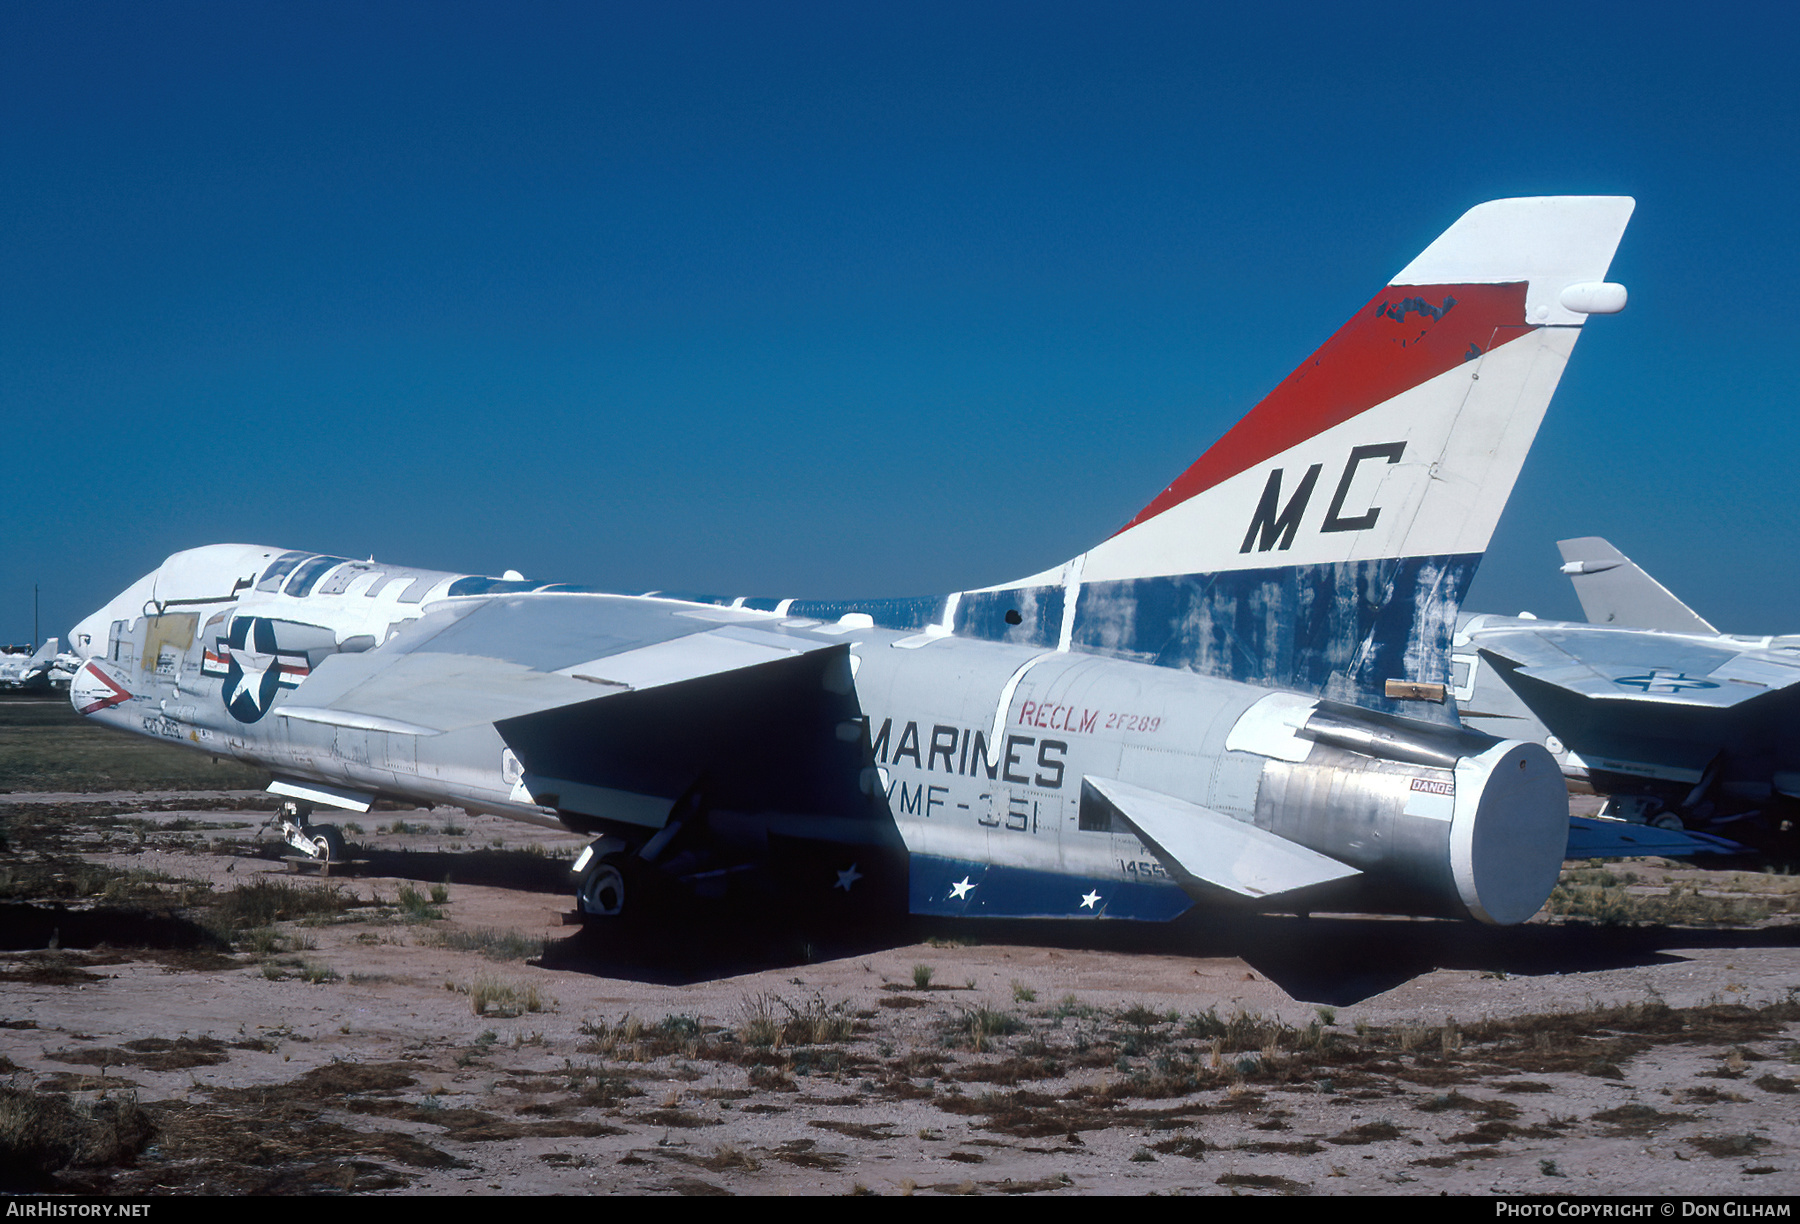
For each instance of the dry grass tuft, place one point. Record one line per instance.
(263, 903)
(1597, 894)
(978, 1026)
(630, 1039)
(43, 1134)
(494, 944)
(1728, 1147)
(772, 1022)
(1260, 1181)
(415, 906)
(504, 998)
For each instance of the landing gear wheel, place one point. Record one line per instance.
(1667, 820)
(328, 844)
(601, 890)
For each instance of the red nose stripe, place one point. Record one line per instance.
(116, 696)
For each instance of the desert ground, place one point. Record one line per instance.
(180, 1014)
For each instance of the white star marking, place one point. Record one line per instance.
(253, 666)
(960, 891)
(1087, 902)
(847, 878)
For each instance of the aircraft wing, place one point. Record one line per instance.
(480, 661)
(614, 705)
(1640, 666)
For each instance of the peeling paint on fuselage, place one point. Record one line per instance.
(1338, 630)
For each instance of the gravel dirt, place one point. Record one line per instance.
(380, 1041)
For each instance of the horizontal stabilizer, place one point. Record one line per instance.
(1592, 837)
(1615, 591)
(1213, 848)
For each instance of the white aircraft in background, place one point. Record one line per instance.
(1238, 697)
(1680, 726)
(37, 671)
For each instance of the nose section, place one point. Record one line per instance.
(92, 638)
(109, 640)
(89, 637)
(96, 688)
(215, 573)
(99, 684)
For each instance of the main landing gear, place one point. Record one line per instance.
(616, 881)
(323, 843)
(603, 882)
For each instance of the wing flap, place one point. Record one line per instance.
(778, 738)
(1211, 847)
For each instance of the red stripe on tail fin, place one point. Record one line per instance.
(1407, 335)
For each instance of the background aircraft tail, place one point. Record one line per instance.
(1615, 591)
(1325, 543)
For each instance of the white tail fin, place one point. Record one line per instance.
(1326, 541)
(1614, 591)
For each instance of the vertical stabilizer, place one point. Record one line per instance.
(1613, 590)
(1326, 541)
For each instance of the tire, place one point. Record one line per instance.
(328, 844)
(1667, 820)
(601, 891)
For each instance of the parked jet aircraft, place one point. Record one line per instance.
(32, 671)
(1238, 696)
(1648, 704)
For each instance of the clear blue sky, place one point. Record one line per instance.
(841, 299)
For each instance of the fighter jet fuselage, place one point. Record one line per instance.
(999, 772)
